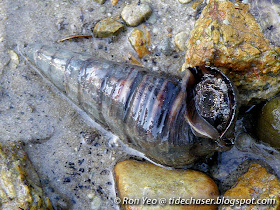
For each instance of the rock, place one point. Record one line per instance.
(256, 184)
(268, 128)
(140, 42)
(107, 28)
(134, 14)
(166, 47)
(226, 35)
(14, 59)
(145, 180)
(100, 1)
(19, 183)
(180, 40)
(185, 1)
(114, 2)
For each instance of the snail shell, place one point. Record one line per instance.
(173, 121)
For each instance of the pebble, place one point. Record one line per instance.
(140, 42)
(114, 2)
(134, 14)
(136, 179)
(268, 128)
(180, 40)
(185, 1)
(107, 28)
(166, 47)
(14, 58)
(100, 1)
(256, 183)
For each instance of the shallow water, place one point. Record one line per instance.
(73, 156)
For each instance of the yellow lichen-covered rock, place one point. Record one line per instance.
(107, 27)
(226, 35)
(140, 180)
(140, 42)
(256, 184)
(19, 183)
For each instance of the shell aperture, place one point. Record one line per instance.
(211, 103)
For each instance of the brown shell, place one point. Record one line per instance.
(152, 112)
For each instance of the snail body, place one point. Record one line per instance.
(172, 121)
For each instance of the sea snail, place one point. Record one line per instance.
(172, 121)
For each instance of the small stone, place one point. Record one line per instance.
(140, 180)
(140, 42)
(268, 128)
(169, 29)
(14, 58)
(185, 1)
(134, 14)
(180, 40)
(256, 183)
(100, 1)
(107, 28)
(114, 2)
(166, 47)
